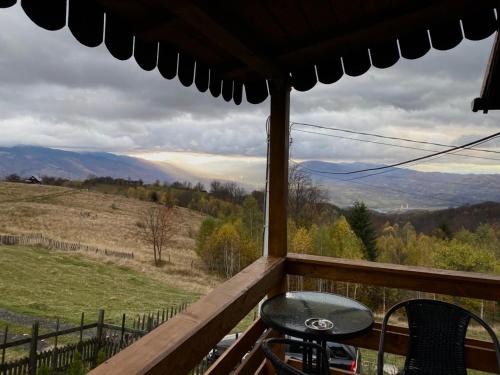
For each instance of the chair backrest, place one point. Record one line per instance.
(437, 333)
(283, 368)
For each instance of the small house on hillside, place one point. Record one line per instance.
(33, 180)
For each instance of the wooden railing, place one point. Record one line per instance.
(181, 343)
(431, 280)
(480, 355)
(177, 346)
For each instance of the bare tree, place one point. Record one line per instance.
(229, 191)
(157, 227)
(305, 198)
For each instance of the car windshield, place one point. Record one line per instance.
(340, 352)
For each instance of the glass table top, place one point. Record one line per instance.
(288, 313)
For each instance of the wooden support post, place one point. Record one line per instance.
(278, 170)
(33, 349)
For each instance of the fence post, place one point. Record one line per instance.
(100, 326)
(33, 349)
(6, 332)
(81, 327)
(123, 331)
(54, 353)
(150, 323)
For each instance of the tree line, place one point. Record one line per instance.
(231, 237)
(228, 243)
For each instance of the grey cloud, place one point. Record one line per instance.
(56, 92)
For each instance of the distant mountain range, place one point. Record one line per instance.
(395, 189)
(402, 189)
(40, 161)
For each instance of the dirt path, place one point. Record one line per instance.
(27, 320)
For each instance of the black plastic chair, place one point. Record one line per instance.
(283, 368)
(437, 337)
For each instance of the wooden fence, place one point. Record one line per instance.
(106, 340)
(41, 240)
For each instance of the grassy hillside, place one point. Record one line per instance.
(50, 284)
(103, 220)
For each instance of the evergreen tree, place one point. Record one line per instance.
(360, 222)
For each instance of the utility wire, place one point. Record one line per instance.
(456, 148)
(386, 137)
(451, 151)
(397, 169)
(391, 144)
(385, 188)
(411, 164)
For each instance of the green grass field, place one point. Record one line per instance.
(50, 284)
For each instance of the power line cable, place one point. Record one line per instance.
(436, 155)
(412, 164)
(386, 137)
(395, 170)
(399, 146)
(390, 144)
(385, 188)
(399, 169)
(456, 148)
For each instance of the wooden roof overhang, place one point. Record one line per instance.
(223, 46)
(490, 92)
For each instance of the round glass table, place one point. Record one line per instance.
(315, 316)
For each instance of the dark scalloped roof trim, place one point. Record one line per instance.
(90, 25)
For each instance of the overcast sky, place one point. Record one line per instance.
(55, 92)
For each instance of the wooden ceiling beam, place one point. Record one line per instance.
(340, 44)
(197, 18)
(377, 32)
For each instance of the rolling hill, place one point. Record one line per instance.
(403, 189)
(42, 161)
(102, 220)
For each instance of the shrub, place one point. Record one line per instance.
(44, 370)
(77, 367)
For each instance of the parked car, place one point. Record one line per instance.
(221, 347)
(344, 357)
